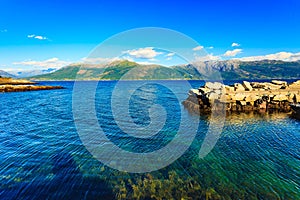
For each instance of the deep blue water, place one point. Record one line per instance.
(43, 157)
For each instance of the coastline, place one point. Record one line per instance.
(205, 80)
(19, 85)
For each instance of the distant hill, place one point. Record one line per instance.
(29, 73)
(6, 74)
(265, 69)
(117, 70)
(230, 70)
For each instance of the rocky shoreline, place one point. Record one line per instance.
(245, 96)
(17, 85)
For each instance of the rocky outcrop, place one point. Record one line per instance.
(11, 81)
(276, 95)
(16, 85)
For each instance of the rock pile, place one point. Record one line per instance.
(245, 96)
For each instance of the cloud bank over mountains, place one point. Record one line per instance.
(284, 56)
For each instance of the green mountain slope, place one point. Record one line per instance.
(119, 70)
(229, 70)
(65, 73)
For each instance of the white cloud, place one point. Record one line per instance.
(284, 56)
(146, 63)
(144, 53)
(128, 58)
(207, 58)
(211, 47)
(232, 53)
(11, 70)
(235, 44)
(39, 37)
(99, 60)
(198, 48)
(3, 31)
(170, 54)
(49, 63)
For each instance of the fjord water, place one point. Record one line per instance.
(42, 156)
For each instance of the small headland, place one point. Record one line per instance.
(18, 85)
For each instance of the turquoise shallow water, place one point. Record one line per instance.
(42, 156)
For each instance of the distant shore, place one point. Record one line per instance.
(204, 80)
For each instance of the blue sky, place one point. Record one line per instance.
(66, 31)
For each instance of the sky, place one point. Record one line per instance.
(51, 34)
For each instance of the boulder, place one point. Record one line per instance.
(229, 89)
(238, 97)
(194, 92)
(239, 87)
(291, 97)
(247, 86)
(251, 98)
(297, 82)
(243, 103)
(280, 97)
(225, 98)
(212, 96)
(219, 92)
(282, 83)
(204, 90)
(263, 105)
(258, 85)
(295, 85)
(214, 85)
(270, 86)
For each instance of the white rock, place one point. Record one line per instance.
(295, 85)
(297, 82)
(225, 98)
(271, 86)
(251, 98)
(214, 86)
(282, 83)
(239, 87)
(247, 86)
(280, 97)
(229, 88)
(204, 90)
(291, 97)
(194, 92)
(238, 97)
(258, 85)
(213, 95)
(243, 103)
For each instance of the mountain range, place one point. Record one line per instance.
(6, 74)
(229, 70)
